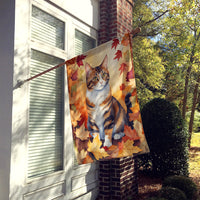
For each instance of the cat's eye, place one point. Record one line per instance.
(95, 78)
(103, 75)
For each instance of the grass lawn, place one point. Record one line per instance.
(194, 160)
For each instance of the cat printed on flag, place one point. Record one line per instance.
(104, 109)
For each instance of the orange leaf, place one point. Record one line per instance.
(131, 133)
(134, 92)
(87, 159)
(123, 68)
(134, 116)
(81, 133)
(136, 108)
(122, 86)
(125, 40)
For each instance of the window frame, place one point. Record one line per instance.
(66, 53)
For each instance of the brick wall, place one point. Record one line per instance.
(117, 177)
(115, 19)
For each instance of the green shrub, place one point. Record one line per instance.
(167, 138)
(171, 193)
(183, 183)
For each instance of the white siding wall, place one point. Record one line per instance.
(86, 10)
(6, 77)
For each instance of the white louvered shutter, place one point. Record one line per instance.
(45, 146)
(47, 29)
(83, 42)
(45, 138)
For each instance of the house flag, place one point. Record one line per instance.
(105, 114)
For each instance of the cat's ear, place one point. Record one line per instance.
(105, 62)
(88, 68)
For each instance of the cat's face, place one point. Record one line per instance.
(97, 78)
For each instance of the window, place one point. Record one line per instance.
(46, 28)
(45, 139)
(83, 42)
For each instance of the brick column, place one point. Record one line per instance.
(115, 19)
(117, 177)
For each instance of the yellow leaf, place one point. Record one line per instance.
(136, 108)
(129, 149)
(95, 148)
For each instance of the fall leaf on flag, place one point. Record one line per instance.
(130, 75)
(131, 133)
(134, 116)
(125, 138)
(115, 43)
(125, 40)
(123, 68)
(87, 159)
(129, 149)
(81, 156)
(118, 55)
(95, 148)
(122, 86)
(71, 61)
(74, 76)
(80, 59)
(75, 117)
(113, 151)
(134, 92)
(136, 108)
(81, 133)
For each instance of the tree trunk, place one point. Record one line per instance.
(185, 91)
(188, 74)
(193, 109)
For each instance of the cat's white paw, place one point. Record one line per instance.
(107, 142)
(118, 136)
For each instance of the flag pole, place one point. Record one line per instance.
(132, 34)
(20, 83)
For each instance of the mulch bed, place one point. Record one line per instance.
(149, 186)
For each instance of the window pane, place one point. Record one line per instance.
(83, 42)
(47, 29)
(45, 141)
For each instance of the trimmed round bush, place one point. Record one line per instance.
(167, 138)
(183, 183)
(171, 193)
